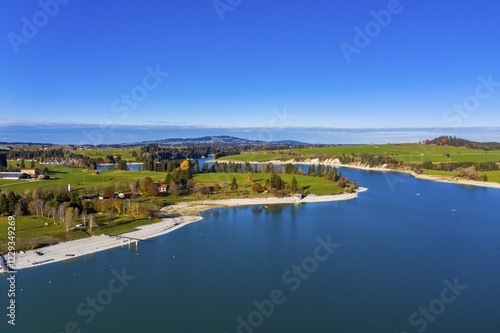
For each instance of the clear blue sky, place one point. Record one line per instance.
(244, 71)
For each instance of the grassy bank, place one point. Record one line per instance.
(493, 176)
(416, 153)
(34, 232)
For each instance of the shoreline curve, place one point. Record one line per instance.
(184, 214)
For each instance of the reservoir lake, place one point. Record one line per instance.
(407, 255)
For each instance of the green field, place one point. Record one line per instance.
(315, 185)
(126, 153)
(493, 176)
(79, 179)
(85, 180)
(416, 153)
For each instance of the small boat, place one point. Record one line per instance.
(453, 210)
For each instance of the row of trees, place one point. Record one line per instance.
(373, 160)
(157, 153)
(452, 166)
(37, 153)
(67, 208)
(168, 165)
(39, 202)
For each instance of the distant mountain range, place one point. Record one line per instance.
(220, 140)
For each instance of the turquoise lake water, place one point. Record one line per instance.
(408, 256)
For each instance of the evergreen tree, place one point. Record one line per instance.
(290, 168)
(4, 205)
(3, 161)
(312, 170)
(319, 171)
(276, 182)
(196, 167)
(122, 165)
(294, 186)
(234, 184)
(11, 202)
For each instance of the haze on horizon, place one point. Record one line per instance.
(250, 64)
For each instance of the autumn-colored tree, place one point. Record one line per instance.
(184, 165)
(84, 217)
(256, 187)
(249, 176)
(108, 191)
(132, 187)
(91, 221)
(145, 183)
(118, 205)
(174, 189)
(138, 210)
(70, 216)
(153, 189)
(61, 213)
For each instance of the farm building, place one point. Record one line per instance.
(14, 175)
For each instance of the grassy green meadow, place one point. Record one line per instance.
(315, 185)
(493, 176)
(80, 179)
(33, 232)
(126, 153)
(409, 152)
